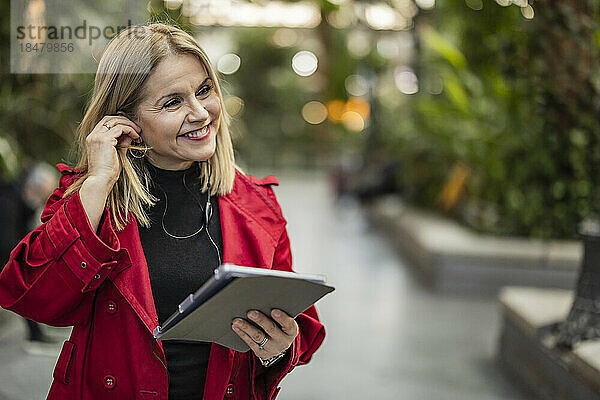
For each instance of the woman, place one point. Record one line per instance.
(129, 232)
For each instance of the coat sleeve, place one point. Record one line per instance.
(52, 273)
(311, 332)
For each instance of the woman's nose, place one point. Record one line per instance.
(197, 112)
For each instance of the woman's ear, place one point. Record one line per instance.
(133, 119)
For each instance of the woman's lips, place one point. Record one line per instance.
(197, 139)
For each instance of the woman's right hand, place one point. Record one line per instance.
(101, 146)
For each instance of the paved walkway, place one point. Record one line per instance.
(387, 338)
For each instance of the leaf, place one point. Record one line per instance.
(456, 93)
(443, 47)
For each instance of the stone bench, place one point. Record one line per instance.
(526, 347)
(453, 258)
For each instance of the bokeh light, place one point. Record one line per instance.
(425, 4)
(229, 63)
(406, 80)
(314, 112)
(388, 47)
(528, 12)
(234, 106)
(356, 85)
(352, 113)
(341, 18)
(381, 16)
(406, 7)
(358, 43)
(475, 4)
(304, 63)
(358, 105)
(353, 121)
(335, 109)
(434, 85)
(173, 4)
(301, 14)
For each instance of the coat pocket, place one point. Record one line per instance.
(148, 395)
(62, 369)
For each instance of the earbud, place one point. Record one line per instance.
(207, 212)
(208, 207)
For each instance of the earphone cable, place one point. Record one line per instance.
(162, 221)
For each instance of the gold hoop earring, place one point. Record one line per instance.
(139, 151)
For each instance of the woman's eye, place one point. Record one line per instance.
(171, 103)
(204, 90)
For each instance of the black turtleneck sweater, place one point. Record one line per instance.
(178, 267)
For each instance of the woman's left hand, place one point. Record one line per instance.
(280, 332)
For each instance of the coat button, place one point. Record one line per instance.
(111, 307)
(83, 264)
(109, 381)
(97, 276)
(229, 390)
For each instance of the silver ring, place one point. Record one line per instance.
(261, 345)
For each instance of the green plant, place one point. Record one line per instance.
(517, 108)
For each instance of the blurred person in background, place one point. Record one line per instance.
(21, 204)
(154, 205)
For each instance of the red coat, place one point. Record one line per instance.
(64, 274)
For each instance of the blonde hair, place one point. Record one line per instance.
(126, 64)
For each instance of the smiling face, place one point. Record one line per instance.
(180, 113)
